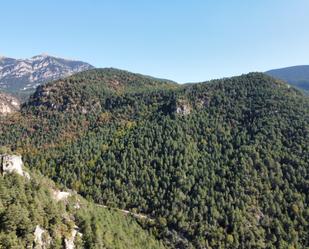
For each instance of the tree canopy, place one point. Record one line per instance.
(221, 164)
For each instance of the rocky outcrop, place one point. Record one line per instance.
(8, 104)
(183, 108)
(12, 163)
(69, 242)
(42, 239)
(60, 195)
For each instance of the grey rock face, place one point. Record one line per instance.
(12, 163)
(8, 104)
(25, 74)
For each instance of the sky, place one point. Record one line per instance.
(181, 40)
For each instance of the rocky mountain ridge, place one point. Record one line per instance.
(26, 74)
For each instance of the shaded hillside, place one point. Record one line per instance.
(221, 164)
(297, 76)
(86, 91)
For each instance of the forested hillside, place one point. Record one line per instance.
(220, 164)
(34, 215)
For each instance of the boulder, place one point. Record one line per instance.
(60, 195)
(12, 163)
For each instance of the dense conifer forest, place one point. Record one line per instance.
(219, 164)
(26, 204)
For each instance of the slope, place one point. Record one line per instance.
(297, 76)
(220, 164)
(22, 76)
(33, 212)
(88, 89)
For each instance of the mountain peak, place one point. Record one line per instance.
(20, 75)
(43, 55)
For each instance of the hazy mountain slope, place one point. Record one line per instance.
(220, 164)
(24, 75)
(34, 213)
(297, 76)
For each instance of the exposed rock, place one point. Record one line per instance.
(183, 109)
(38, 236)
(12, 163)
(77, 205)
(48, 95)
(25, 74)
(60, 195)
(8, 104)
(84, 110)
(259, 215)
(40, 242)
(202, 103)
(69, 242)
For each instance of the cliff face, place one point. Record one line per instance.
(12, 163)
(8, 104)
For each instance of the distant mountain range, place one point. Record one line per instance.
(297, 76)
(20, 77)
(24, 75)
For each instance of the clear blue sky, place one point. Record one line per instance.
(183, 40)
